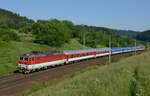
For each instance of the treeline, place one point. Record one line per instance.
(128, 33)
(144, 36)
(13, 20)
(100, 36)
(55, 33)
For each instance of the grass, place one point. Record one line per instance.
(73, 44)
(9, 52)
(128, 77)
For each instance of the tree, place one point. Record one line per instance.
(53, 32)
(8, 34)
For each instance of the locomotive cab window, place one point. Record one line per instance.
(26, 59)
(21, 58)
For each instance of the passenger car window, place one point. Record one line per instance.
(68, 56)
(82, 54)
(39, 58)
(71, 56)
(30, 59)
(58, 56)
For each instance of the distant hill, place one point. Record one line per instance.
(127, 32)
(13, 20)
(144, 36)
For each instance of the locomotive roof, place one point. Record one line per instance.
(43, 53)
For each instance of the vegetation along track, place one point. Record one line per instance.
(17, 82)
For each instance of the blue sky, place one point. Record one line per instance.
(117, 14)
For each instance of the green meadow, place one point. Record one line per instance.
(127, 77)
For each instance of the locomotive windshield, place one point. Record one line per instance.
(21, 58)
(24, 59)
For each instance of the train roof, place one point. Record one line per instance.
(53, 53)
(84, 50)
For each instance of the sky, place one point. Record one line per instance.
(116, 14)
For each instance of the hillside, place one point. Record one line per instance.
(55, 32)
(92, 35)
(9, 52)
(127, 32)
(128, 77)
(144, 36)
(13, 20)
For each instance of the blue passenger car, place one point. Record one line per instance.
(116, 50)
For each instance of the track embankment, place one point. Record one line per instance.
(17, 82)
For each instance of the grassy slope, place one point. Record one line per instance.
(125, 78)
(9, 52)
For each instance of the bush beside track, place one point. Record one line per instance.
(124, 78)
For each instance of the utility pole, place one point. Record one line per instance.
(135, 46)
(83, 41)
(147, 45)
(118, 44)
(110, 49)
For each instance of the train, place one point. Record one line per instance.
(38, 60)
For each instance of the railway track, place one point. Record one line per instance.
(17, 82)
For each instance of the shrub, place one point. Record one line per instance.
(8, 34)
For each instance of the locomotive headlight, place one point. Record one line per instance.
(26, 67)
(19, 65)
